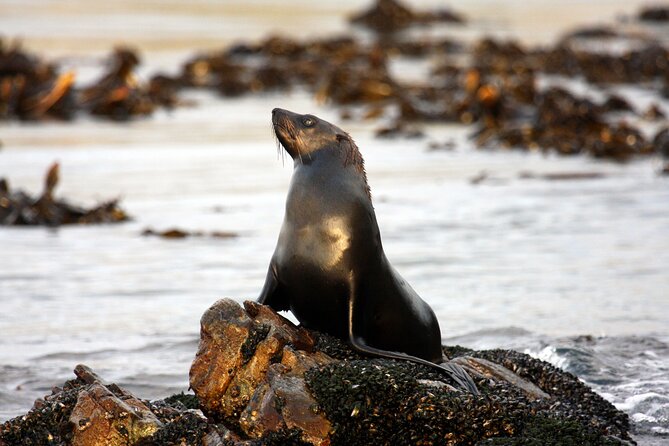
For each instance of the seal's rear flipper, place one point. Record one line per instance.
(455, 373)
(458, 374)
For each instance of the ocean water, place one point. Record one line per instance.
(573, 272)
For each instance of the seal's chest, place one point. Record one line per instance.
(323, 243)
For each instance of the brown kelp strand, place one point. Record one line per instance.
(176, 234)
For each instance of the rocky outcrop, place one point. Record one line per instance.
(260, 380)
(249, 371)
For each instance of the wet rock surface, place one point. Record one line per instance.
(494, 86)
(100, 417)
(20, 209)
(260, 380)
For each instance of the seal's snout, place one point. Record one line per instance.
(278, 113)
(285, 131)
(280, 118)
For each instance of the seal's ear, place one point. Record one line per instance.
(347, 147)
(350, 150)
(353, 157)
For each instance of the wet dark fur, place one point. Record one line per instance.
(329, 268)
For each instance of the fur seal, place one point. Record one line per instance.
(329, 268)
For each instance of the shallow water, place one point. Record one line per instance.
(557, 259)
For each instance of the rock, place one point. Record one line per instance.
(236, 349)
(284, 402)
(85, 374)
(102, 418)
(84, 411)
(224, 330)
(294, 380)
(260, 380)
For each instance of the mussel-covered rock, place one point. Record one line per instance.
(260, 380)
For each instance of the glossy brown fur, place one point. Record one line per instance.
(329, 268)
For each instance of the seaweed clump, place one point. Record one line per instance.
(489, 84)
(20, 209)
(34, 89)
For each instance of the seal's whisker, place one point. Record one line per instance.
(300, 143)
(279, 147)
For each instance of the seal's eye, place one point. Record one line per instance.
(308, 122)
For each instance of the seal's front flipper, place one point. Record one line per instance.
(456, 373)
(271, 293)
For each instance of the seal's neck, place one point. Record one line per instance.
(346, 155)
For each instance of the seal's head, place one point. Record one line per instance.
(302, 136)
